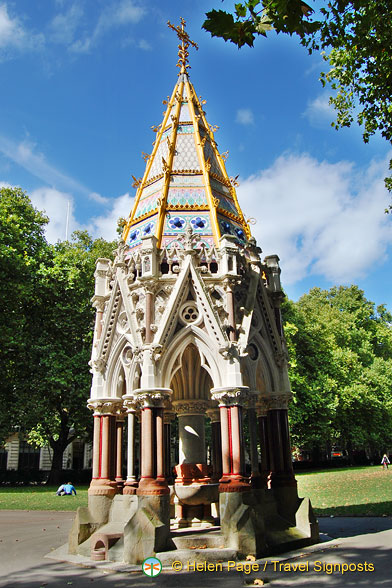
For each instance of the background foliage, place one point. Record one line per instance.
(47, 327)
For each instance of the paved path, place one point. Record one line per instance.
(27, 536)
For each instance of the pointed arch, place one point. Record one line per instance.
(209, 355)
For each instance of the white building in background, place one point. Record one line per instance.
(18, 455)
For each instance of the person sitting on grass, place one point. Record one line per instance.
(66, 490)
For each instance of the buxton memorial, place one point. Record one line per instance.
(188, 346)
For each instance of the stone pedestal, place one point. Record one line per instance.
(148, 531)
(242, 523)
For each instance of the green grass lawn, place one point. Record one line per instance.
(354, 491)
(40, 498)
(360, 491)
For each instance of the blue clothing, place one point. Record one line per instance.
(68, 489)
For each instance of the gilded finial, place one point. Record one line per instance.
(183, 52)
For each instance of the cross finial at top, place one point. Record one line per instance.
(183, 52)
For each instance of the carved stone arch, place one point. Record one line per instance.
(209, 361)
(263, 367)
(135, 373)
(115, 368)
(191, 381)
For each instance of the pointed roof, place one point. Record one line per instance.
(185, 182)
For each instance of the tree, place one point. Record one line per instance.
(341, 363)
(355, 38)
(61, 348)
(23, 249)
(49, 330)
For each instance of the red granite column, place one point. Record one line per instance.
(265, 460)
(231, 401)
(103, 482)
(254, 457)
(119, 451)
(131, 482)
(96, 447)
(168, 417)
(216, 449)
(277, 419)
(152, 480)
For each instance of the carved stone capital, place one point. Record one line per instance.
(235, 396)
(130, 403)
(275, 402)
(183, 407)
(214, 415)
(105, 406)
(279, 402)
(152, 397)
(98, 302)
(168, 416)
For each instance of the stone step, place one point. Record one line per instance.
(199, 540)
(184, 556)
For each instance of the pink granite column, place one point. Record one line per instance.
(216, 449)
(231, 401)
(96, 447)
(152, 480)
(277, 422)
(131, 482)
(119, 451)
(265, 460)
(105, 411)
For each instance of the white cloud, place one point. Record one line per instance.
(117, 14)
(59, 207)
(64, 25)
(98, 198)
(245, 116)
(145, 45)
(319, 111)
(13, 35)
(105, 225)
(31, 159)
(320, 218)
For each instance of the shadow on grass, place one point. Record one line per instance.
(371, 509)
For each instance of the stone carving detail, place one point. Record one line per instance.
(153, 398)
(105, 406)
(279, 402)
(276, 402)
(127, 356)
(191, 407)
(235, 396)
(213, 414)
(99, 365)
(122, 322)
(130, 404)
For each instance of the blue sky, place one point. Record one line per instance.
(83, 82)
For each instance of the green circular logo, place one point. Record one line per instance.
(151, 567)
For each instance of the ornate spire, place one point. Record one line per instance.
(185, 182)
(183, 52)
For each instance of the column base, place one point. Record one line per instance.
(234, 483)
(130, 487)
(187, 473)
(152, 487)
(103, 487)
